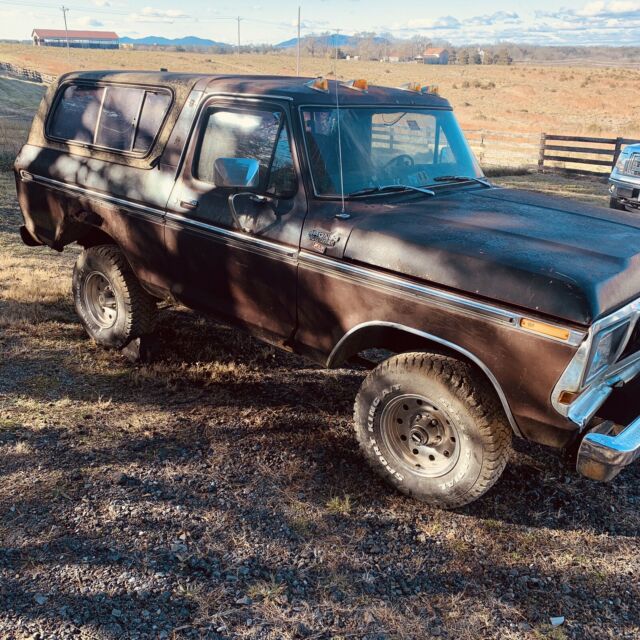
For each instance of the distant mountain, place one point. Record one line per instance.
(187, 41)
(325, 40)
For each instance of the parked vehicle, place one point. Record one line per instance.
(340, 221)
(624, 182)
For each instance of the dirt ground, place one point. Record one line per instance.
(218, 492)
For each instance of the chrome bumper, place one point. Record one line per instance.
(603, 456)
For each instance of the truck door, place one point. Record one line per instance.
(234, 248)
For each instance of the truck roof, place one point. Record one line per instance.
(290, 88)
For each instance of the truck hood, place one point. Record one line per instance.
(551, 255)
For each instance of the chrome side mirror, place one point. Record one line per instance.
(236, 173)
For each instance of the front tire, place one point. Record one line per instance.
(432, 427)
(614, 203)
(111, 303)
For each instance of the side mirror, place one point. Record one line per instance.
(236, 173)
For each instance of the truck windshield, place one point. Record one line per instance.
(383, 147)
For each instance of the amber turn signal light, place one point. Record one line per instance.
(359, 85)
(545, 329)
(319, 84)
(567, 397)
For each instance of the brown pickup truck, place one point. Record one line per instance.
(349, 222)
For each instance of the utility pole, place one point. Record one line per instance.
(298, 46)
(238, 34)
(66, 30)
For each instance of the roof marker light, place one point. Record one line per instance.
(418, 87)
(358, 85)
(319, 84)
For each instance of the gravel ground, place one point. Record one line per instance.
(218, 492)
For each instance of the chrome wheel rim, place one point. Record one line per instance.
(100, 300)
(420, 435)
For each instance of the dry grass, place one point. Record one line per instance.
(526, 99)
(18, 102)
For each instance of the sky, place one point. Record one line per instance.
(599, 22)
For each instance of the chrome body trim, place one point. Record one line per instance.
(308, 259)
(90, 193)
(602, 456)
(245, 96)
(446, 343)
(425, 292)
(594, 392)
(238, 238)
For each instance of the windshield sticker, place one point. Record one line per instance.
(413, 125)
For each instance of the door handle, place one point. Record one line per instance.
(189, 204)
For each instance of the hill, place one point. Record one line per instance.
(328, 40)
(187, 41)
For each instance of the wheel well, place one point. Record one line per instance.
(94, 237)
(401, 339)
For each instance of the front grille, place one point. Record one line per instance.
(633, 346)
(634, 165)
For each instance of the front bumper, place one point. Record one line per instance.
(603, 454)
(626, 190)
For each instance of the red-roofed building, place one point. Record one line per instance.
(77, 39)
(435, 56)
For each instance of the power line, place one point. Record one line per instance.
(66, 28)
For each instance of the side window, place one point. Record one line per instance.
(154, 108)
(120, 118)
(259, 135)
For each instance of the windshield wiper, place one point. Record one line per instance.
(483, 181)
(389, 188)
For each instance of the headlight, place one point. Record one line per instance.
(605, 349)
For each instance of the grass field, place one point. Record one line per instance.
(525, 99)
(18, 103)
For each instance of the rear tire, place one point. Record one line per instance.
(433, 428)
(111, 303)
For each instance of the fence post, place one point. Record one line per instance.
(543, 144)
(617, 151)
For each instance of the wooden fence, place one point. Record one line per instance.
(6, 68)
(570, 155)
(547, 153)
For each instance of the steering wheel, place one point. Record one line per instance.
(407, 160)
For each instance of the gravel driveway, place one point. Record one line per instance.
(218, 492)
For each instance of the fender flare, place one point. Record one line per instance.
(336, 357)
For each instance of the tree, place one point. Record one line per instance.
(503, 57)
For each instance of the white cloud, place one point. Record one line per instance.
(613, 22)
(87, 21)
(150, 12)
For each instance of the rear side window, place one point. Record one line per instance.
(125, 119)
(76, 114)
